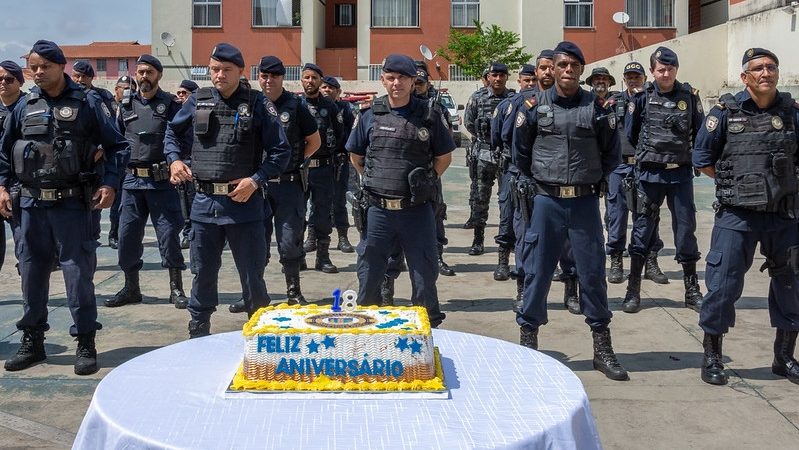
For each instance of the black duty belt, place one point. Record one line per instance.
(656, 165)
(628, 160)
(52, 194)
(319, 162)
(567, 191)
(209, 188)
(286, 178)
(390, 204)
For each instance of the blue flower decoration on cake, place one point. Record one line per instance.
(416, 347)
(313, 347)
(329, 342)
(391, 323)
(383, 312)
(281, 319)
(402, 344)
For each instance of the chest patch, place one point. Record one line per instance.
(423, 134)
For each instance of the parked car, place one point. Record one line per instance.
(455, 115)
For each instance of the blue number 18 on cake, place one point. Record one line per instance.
(311, 348)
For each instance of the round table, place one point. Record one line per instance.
(502, 395)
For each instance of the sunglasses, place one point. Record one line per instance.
(8, 79)
(182, 93)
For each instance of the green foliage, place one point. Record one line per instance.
(474, 51)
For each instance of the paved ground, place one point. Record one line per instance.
(664, 405)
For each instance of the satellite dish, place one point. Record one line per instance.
(168, 39)
(621, 17)
(428, 55)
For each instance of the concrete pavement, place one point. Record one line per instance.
(664, 405)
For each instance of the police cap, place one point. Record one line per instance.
(754, 53)
(13, 69)
(272, 65)
(498, 67)
(331, 81)
(527, 69)
(84, 68)
(227, 53)
(600, 71)
(152, 61)
(189, 85)
(400, 64)
(665, 55)
(314, 67)
(49, 50)
(422, 75)
(634, 67)
(546, 54)
(570, 48)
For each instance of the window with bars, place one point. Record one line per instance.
(345, 15)
(123, 65)
(207, 13)
(650, 13)
(465, 12)
(578, 13)
(101, 65)
(275, 13)
(395, 13)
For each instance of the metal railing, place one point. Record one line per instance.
(293, 73)
(456, 74)
(200, 73)
(374, 71)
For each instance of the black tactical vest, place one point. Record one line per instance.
(566, 151)
(288, 114)
(622, 101)
(324, 116)
(396, 146)
(54, 148)
(225, 146)
(145, 126)
(666, 132)
(486, 105)
(757, 168)
(3, 114)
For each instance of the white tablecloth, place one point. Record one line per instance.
(502, 396)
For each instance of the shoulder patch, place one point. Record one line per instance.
(509, 110)
(612, 121)
(355, 122)
(494, 114)
(270, 108)
(105, 109)
(722, 106)
(520, 119)
(711, 123)
(630, 107)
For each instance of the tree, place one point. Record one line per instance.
(474, 51)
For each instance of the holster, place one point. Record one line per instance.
(183, 194)
(422, 181)
(160, 171)
(359, 209)
(340, 159)
(304, 171)
(89, 182)
(644, 205)
(16, 194)
(630, 188)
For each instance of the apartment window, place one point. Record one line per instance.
(275, 13)
(207, 13)
(101, 65)
(578, 13)
(395, 13)
(345, 15)
(650, 13)
(123, 65)
(465, 12)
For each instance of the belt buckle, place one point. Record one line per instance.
(566, 192)
(392, 204)
(48, 194)
(274, 180)
(670, 166)
(313, 163)
(631, 160)
(142, 172)
(220, 188)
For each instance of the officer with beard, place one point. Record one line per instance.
(146, 190)
(186, 190)
(11, 81)
(123, 83)
(237, 145)
(571, 144)
(748, 144)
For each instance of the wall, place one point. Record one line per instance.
(337, 62)
(743, 8)
(340, 37)
(173, 17)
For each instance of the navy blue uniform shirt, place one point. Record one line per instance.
(322, 104)
(305, 120)
(707, 150)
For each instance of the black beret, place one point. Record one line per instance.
(49, 50)
(227, 53)
(272, 65)
(124, 79)
(597, 71)
(314, 67)
(546, 54)
(527, 69)
(421, 65)
(84, 68)
(13, 69)
(754, 53)
(498, 67)
(634, 67)
(665, 55)
(331, 81)
(189, 85)
(570, 48)
(400, 64)
(150, 60)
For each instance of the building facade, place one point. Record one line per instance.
(110, 60)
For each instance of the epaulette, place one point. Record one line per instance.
(530, 102)
(728, 101)
(607, 103)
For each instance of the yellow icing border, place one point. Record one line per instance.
(250, 328)
(324, 383)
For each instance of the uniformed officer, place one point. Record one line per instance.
(11, 81)
(566, 118)
(83, 74)
(749, 146)
(146, 190)
(600, 82)
(400, 150)
(621, 185)
(49, 146)
(186, 190)
(237, 145)
(321, 173)
(185, 89)
(286, 193)
(331, 89)
(471, 157)
(477, 119)
(662, 122)
(125, 82)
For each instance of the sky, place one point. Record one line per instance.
(71, 22)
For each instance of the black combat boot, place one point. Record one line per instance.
(518, 304)
(443, 267)
(616, 272)
(387, 291)
(185, 244)
(344, 242)
(86, 364)
(784, 363)
(479, 238)
(652, 269)
(176, 294)
(238, 307)
(293, 292)
(199, 329)
(605, 359)
(130, 293)
(632, 300)
(469, 223)
(323, 262)
(571, 299)
(693, 296)
(31, 351)
(113, 235)
(502, 272)
(528, 337)
(712, 367)
(310, 240)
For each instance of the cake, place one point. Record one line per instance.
(314, 348)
